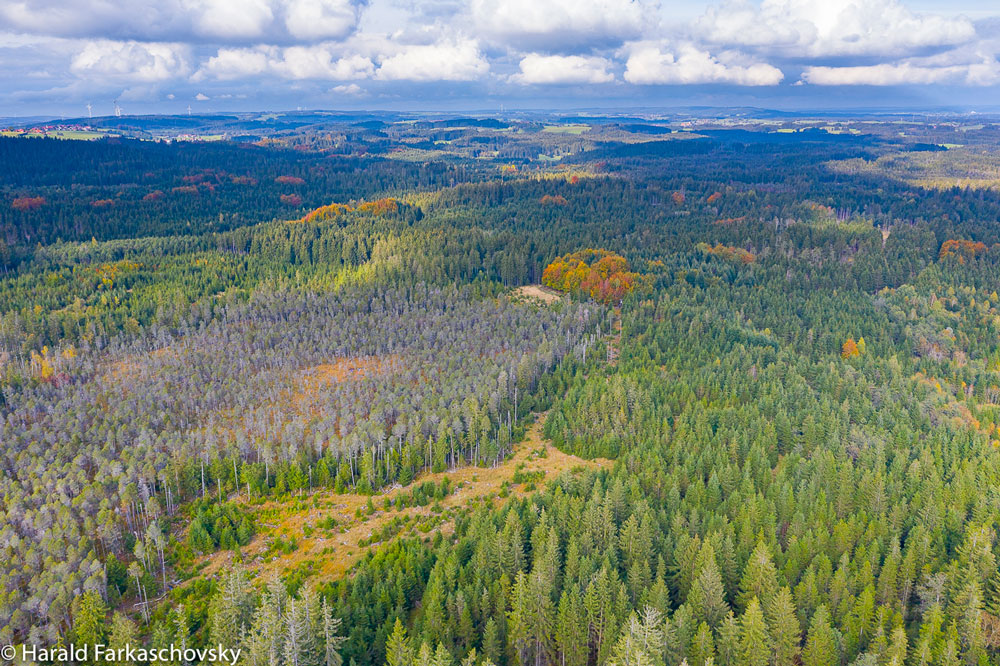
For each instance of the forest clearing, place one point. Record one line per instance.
(537, 292)
(332, 552)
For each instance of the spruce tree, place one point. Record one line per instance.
(755, 643)
(821, 641)
(784, 627)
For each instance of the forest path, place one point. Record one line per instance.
(330, 553)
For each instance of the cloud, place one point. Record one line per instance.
(445, 61)
(831, 27)
(558, 25)
(245, 19)
(983, 73)
(202, 97)
(294, 62)
(649, 64)
(349, 90)
(321, 19)
(228, 64)
(131, 61)
(541, 69)
(304, 62)
(198, 21)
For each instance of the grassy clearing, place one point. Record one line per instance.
(537, 292)
(326, 533)
(73, 135)
(569, 128)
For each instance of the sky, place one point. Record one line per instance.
(162, 56)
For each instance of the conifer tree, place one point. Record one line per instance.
(702, 647)
(821, 641)
(708, 596)
(397, 647)
(755, 643)
(123, 632)
(784, 627)
(760, 578)
(89, 614)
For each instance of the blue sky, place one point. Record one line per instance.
(160, 56)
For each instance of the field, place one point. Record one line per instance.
(78, 135)
(568, 128)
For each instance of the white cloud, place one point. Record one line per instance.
(317, 62)
(541, 69)
(349, 90)
(229, 21)
(202, 97)
(228, 64)
(321, 19)
(131, 61)
(229, 18)
(554, 25)
(294, 62)
(831, 27)
(650, 64)
(445, 61)
(983, 73)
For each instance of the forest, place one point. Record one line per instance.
(717, 398)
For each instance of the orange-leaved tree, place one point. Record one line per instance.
(600, 274)
(963, 249)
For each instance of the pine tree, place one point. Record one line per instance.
(123, 632)
(896, 654)
(929, 638)
(702, 647)
(532, 616)
(330, 632)
(571, 629)
(442, 657)
(970, 603)
(398, 651)
(728, 645)
(755, 643)
(708, 596)
(492, 646)
(89, 614)
(641, 642)
(425, 656)
(760, 578)
(182, 631)
(300, 642)
(821, 641)
(784, 627)
(231, 608)
(598, 600)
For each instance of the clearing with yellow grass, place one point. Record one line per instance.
(357, 528)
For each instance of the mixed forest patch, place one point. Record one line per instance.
(598, 274)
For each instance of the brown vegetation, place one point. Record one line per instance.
(27, 203)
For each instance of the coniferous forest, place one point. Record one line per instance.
(406, 393)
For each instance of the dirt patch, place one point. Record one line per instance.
(537, 292)
(312, 379)
(333, 552)
(132, 367)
